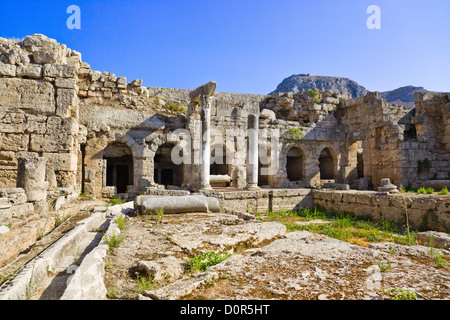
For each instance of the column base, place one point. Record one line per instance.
(252, 187)
(205, 188)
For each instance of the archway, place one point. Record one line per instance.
(327, 165)
(119, 166)
(295, 164)
(165, 171)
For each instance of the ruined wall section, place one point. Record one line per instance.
(306, 120)
(428, 155)
(38, 108)
(374, 123)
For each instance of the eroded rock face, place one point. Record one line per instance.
(309, 266)
(199, 232)
(268, 263)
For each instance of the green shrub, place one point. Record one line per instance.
(113, 241)
(204, 260)
(120, 220)
(296, 134)
(443, 191)
(400, 294)
(115, 201)
(423, 190)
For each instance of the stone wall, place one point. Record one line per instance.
(424, 212)
(263, 200)
(38, 108)
(53, 105)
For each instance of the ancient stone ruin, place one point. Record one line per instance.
(66, 129)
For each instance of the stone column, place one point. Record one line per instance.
(31, 177)
(206, 149)
(252, 155)
(200, 107)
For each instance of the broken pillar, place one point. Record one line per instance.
(31, 177)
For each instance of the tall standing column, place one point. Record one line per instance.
(252, 174)
(206, 148)
(200, 107)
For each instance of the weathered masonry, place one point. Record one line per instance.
(102, 135)
(65, 128)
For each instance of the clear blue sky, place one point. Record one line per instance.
(247, 45)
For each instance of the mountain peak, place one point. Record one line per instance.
(300, 82)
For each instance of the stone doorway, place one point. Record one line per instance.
(326, 165)
(218, 161)
(295, 164)
(119, 166)
(165, 171)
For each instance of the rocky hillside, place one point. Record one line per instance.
(299, 82)
(402, 96)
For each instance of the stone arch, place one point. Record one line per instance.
(295, 164)
(154, 164)
(327, 164)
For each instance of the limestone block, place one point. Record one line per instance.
(109, 192)
(52, 143)
(167, 268)
(66, 100)
(136, 83)
(31, 177)
(22, 211)
(59, 70)
(122, 82)
(364, 199)
(424, 204)
(41, 208)
(39, 40)
(18, 57)
(96, 75)
(381, 200)
(44, 56)
(26, 94)
(441, 240)
(62, 161)
(336, 196)
(348, 197)
(436, 184)
(109, 84)
(15, 196)
(443, 206)
(13, 142)
(67, 83)
(331, 100)
(7, 70)
(30, 71)
(393, 214)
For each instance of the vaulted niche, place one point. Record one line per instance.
(165, 171)
(327, 165)
(119, 166)
(295, 164)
